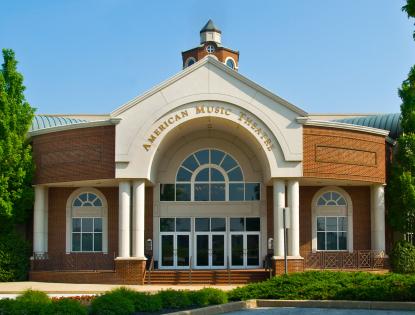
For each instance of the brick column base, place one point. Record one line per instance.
(130, 270)
(294, 264)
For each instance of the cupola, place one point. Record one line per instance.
(211, 44)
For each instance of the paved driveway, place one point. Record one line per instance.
(315, 311)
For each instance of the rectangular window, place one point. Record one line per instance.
(167, 192)
(331, 233)
(86, 234)
(252, 191)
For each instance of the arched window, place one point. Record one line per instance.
(86, 221)
(210, 175)
(332, 220)
(230, 63)
(189, 62)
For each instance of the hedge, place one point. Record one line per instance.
(328, 285)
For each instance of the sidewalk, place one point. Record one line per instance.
(81, 288)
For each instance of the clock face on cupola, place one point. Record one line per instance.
(211, 44)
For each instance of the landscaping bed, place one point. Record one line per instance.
(312, 285)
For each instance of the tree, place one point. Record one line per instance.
(16, 165)
(16, 170)
(401, 186)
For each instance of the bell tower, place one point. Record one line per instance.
(211, 44)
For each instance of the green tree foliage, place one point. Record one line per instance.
(16, 165)
(401, 186)
(16, 170)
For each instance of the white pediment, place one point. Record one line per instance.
(208, 82)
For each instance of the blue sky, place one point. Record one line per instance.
(325, 56)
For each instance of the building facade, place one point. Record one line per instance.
(197, 173)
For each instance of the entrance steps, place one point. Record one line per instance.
(205, 276)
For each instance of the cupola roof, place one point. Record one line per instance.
(209, 27)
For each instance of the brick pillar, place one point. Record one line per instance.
(130, 270)
(294, 264)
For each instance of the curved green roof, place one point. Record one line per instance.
(389, 122)
(43, 121)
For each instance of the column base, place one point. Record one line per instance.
(294, 264)
(130, 270)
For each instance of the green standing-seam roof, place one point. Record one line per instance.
(210, 26)
(43, 121)
(391, 122)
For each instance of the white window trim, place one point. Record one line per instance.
(104, 208)
(315, 214)
(234, 62)
(186, 64)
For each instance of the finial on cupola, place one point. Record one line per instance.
(210, 33)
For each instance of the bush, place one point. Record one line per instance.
(65, 307)
(114, 302)
(145, 302)
(403, 257)
(14, 257)
(327, 285)
(31, 302)
(6, 306)
(214, 296)
(172, 299)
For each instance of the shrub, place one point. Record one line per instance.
(214, 296)
(14, 257)
(65, 307)
(145, 302)
(31, 302)
(403, 257)
(114, 302)
(331, 285)
(172, 299)
(6, 306)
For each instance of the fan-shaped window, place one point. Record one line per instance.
(210, 175)
(331, 198)
(87, 223)
(189, 61)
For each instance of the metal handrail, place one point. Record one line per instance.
(190, 270)
(150, 268)
(228, 268)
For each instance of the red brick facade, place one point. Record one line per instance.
(343, 154)
(221, 53)
(73, 155)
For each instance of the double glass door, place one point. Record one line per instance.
(210, 250)
(244, 248)
(175, 250)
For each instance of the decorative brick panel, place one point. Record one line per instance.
(74, 155)
(343, 154)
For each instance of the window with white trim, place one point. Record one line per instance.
(331, 233)
(210, 175)
(87, 223)
(330, 220)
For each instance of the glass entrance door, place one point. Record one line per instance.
(210, 251)
(175, 250)
(244, 249)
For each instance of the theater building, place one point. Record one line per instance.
(192, 178)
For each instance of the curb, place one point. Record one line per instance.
(369, 305)
(339, 304)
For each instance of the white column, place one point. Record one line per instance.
(377, 217)
(294, 230)
(279, 204)
(124, 219)
(138, 219)
(39, 220)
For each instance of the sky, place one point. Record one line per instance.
(324, 56)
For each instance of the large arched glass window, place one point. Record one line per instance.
(332, 221)
(210, 175)
(87, 222)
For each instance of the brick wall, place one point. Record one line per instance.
(343, 154)
(78, 154)
(360, 196)
(58, 197)
(148, 212)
